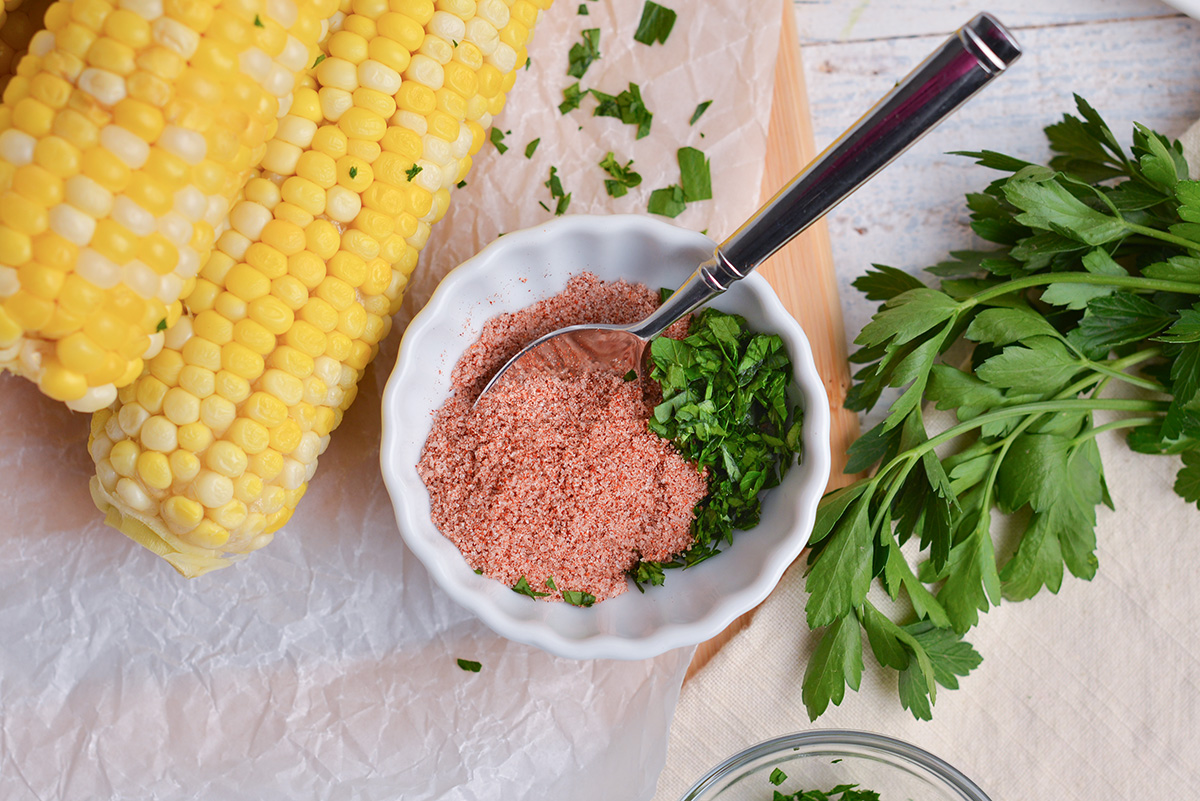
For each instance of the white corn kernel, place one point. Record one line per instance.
(341, 204)
(106, 87)
(133, 496)
(72, 224)
(334, 102)
(380, 77)
(175, 36)
(123, 144)
(16, 147)
(130, 418)
(213, 489)
(129, 214)
(426, 71)
(138, 276)
(296, 131)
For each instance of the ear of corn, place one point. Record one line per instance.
(206, 455)
(126, 133)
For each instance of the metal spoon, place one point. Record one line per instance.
(969, 60)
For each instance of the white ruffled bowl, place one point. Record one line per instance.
(512, 273)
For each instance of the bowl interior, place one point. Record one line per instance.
(512, 273)
(824, 759)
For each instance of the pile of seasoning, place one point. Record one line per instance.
(555, 484)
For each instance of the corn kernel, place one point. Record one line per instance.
(207, 535)
(249, 435)
(254, 337)
(182, 514)
(227, 459)
(159, 434)
(150, 393)
(198, 351)
(217, 412)
(194, 437)
(181, 407)
(290, 291)
(265, 465)
(214, 489)
(154, 470)
(291, 361)
(231, 515)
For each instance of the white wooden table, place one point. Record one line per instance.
(1090, 694)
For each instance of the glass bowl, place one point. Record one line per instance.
(822, 759)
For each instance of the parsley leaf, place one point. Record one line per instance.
(531, 147)
(626, 106)
(469, 666)
(667, 201)
(413, 171)
(655, 25)
(554, 184)
(777, 777)
(623, 177)
(162, 325)
(497, 137)
(572, 97)
(583, 53)
(583, 10)
(522, 587)
(694, 176)
(578, 598)
(700, 109)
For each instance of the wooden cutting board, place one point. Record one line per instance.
(802, 273)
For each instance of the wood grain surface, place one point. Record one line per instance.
(802, 273)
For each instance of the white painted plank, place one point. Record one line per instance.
(912, 214)
(861, 20)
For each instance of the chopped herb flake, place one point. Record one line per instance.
(497, 137)
(554, 184)
(460, 184)
(531, 147)
(623, 177)
(700, 109)
(469, 666)
(528, 61)
(583, 53)
(583, 11)
(162, 325)
(353, 172)
(413, 171)
(522, 587)
(563, 202)
(694, 175)
(542, 203)
(550, 583)
(655, 25)
(572, 96)
(258, 23)
(320, 58)
(455, 42)
(631, 375)
(579, 598)
(777, 777)
(667, 201)
(627, 106)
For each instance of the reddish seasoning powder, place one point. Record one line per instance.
(557, 477)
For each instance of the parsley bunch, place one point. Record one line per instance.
(1095, 284)
(725, 408)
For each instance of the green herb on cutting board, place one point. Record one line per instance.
(1090, 303)
(627, 106)
(725, 408)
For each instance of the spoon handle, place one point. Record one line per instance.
(970, 59)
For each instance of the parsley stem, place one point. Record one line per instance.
(1162, 235)
(1125, 422)
(1120, 281)
(1134, 380)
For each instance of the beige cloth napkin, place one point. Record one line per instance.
(1091, 694)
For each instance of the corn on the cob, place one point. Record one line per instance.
(126, 133)
(206, 455)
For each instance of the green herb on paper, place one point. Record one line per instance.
(667, 201)
(497, 137)
(700, 109)
(583, 10)
(694, 176)
(583, 53)
(1094, 286)
(531, 147)
(724, 408)
(522, 587)
(469, 666)
(572, 97)
(627, 106)
(554, 184)
(655, 24)
(622, 179)
(578, 598)
(460, 184)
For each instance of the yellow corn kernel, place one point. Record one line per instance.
(207, 535)
(239, 360)
(416, 98)
(180, 406)
(218, 412)
(159, 434)
(230, 306)
(317, 167)
(337, 346)
(249, 435)
(123, 457)
(268, 260)
(230, 515)
(194, 437)
(150, 393)
(285, 237)
(212, 488)
(291, 361)
(227, 459)
(198, 351)
(266, 465)
(322, 238)
(320, 314)
(403, 29)
(390, 53)
(248, 487)
(182, 514)
(304, 193)
(154, 470)
(247, 283)
(348, 267)
(254, 337)
(329, 140)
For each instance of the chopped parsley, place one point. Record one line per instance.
(667, 201)
(623, 177)
(843, 792)
(700, 109)
(554, 184)
(258, 23)
(531, 147)
(550, 583)
(578, 598)
(631, 375)
(583, 11)
(354, 173)
(583, 53)
(522, 587)
(777, 777)
(627, 107)
(497, 137)
(460, 184)
(542, 203)
(655, 25)
(572, 96)
(528, 61)
(694, 175)
(413, 171)
(320, 58)
(162, 325)
(469, 665)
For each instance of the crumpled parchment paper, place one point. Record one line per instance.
(323, 667)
